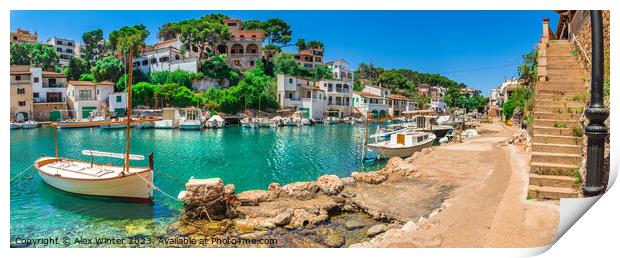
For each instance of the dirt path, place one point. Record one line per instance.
(487, 207)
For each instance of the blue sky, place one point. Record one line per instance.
(479, 48)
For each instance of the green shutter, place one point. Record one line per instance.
(119, 98)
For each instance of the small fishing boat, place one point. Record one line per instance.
(277, 121)
(215, 121)
(115, 125)
(170, 119)
(30, 124)
(192, 119)
(331, 120)
(145, 114)
(385, 133)
(83, 123)
(89, 178)
(16, 126)
(400, 145)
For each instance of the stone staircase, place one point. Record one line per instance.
(556, 141)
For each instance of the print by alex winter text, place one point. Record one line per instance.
(259, 129)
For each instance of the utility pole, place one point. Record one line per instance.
(596, 131)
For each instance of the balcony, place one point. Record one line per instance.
(53, 85)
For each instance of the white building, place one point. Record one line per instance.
(397, 104)
(372, 100)
(339, 94)
(301, 95)
(117, 103)
(341, 71)
(166, 56)
(48, 86)
(64, 47)
(84, 97)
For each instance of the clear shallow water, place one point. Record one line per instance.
(248, 158)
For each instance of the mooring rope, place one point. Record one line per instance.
(157, 188)
(20, 173)
(171, 177)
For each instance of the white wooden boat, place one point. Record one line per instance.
(16, 126)
(192, 119)
(170, 119)
(331, 120)
(215, 121)
(89, 178)
(400, 145)
(81, 123)
(30, 124)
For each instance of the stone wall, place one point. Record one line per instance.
(583, 34)
(41, 111)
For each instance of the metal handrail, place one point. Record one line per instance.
(583, 52)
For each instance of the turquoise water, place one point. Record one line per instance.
(247, 158)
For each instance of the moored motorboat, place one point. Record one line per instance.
(215, 121)
(400, 145)
(30, 124)
(192, 119)
(170, 119)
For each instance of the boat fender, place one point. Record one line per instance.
(182, 195)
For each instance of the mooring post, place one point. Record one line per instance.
(596, 131)
(151, 163)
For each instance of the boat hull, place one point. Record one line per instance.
(133, 187)
(381, 152)
(164, 124)
(190, 126)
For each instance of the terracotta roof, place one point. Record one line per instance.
(20, 72)
(398, 97)
(367, 94)
(53, 75)
(87, 83)
(82, 83)
(164, 42)
(105, 83)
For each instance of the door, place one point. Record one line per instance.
(86, 111)
(55, 115)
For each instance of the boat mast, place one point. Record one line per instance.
(128, 129)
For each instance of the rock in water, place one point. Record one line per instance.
(330, 237)
(376, 229)
(204, 198)
(330, 184)
(252, 197)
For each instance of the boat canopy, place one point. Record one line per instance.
(111, 155)
(216, 118)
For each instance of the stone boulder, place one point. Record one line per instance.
(283, 218)
(397, 167)
(330, 184)
(369, 177)
(302, 218)
(274, 191)
(252, 197)
(205, 198)
(299, 190)
(376, 229)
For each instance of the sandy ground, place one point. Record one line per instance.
(487, 206)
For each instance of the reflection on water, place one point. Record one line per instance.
(248, 158)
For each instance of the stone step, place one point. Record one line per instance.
(559, 91)
(562, 97)
(563, 74)
(556, 158)
(553, 169)
(556, 123)
(552, 181)
(550, 115)
(565, 79)
(557, 148)
(551, 193)
(551, 65)
(559, 110)
(547, 130)
(558, 103)
(555, 139)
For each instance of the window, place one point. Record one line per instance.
(164, 59)
(231, 24)
(290, 80)
(35, 95)
(330, 87)
(252, 63)
(153, 61)
(21, 91)
(36, 79)
(97, 91)
(59, 42)
(290, 95)
(237, 63)
(308, 94)
(59, 49)
(22, 103)
(18, 77)
(119, 99)
(145, 62)
(69, 50)
(85, 94)
(69, 44)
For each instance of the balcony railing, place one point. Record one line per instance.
(53, 85)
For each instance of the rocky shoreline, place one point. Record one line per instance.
(328, 212)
